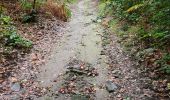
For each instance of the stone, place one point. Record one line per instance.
(79, 97)
(146, 52)
(77, 70)
(125, 36)
(16, 87)
(74, 70)
(99, 20)
(15, 97)
(149, 50)
(110, 86)
(116, 72)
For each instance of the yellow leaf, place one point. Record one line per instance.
(135, 7)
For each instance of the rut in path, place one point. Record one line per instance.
(82, 41)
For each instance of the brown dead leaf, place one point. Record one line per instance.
(13, 79)
(1, 80)
(34, 57)
(2, 70)
(105, 22)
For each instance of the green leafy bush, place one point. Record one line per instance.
(9, 36)
(165, 63)
(25, 4)
(151, 19)
(16, 40)
(153, 16)
(28, 5)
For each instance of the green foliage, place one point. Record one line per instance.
(68, 12)
(135, 7)
(17, 41)
(25, 4)
(6, 20)
(9, 36)
(26, 18)
(31, 17)
(151, 19)
(153, 16)
(70, 1)
(165, 63)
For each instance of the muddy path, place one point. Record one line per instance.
(88, 46)
(81, 42)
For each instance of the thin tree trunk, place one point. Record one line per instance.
(34, 4)
(2, 3)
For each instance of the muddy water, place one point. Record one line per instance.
(82, 40)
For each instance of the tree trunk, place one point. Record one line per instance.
(34, 4)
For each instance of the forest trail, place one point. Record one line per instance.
(82, 48)
(81, 42)
(107, 50)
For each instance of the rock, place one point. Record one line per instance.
(149, 50)
(125, 36)
(16, 87)
(23, 91)
(110, 86)
(116, 72)
(74, 70)
(76, 66)
(144, 53)
(139, 55)
(15, 97)
(79, 97)
(99, 20)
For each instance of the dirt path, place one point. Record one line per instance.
(82, 41)
(82, 45)
(86, 63)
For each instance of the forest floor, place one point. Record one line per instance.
(78, 60)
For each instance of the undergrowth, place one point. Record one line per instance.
(142, 25)
(9, 36)
(57, 9)
(28, 10)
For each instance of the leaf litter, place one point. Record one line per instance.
(18, 72)
(74, 80)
